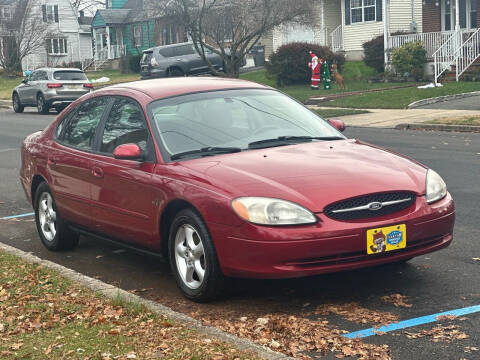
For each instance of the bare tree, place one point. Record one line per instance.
(231, 28)
(89, 6)
(24, 34)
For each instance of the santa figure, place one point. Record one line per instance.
(315, 65)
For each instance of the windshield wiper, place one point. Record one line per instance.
(288, 140)
(206, 151)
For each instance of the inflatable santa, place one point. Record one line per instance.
(315, 65)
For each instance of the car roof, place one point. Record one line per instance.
(58, 69)
(163, 88)
(167, 46)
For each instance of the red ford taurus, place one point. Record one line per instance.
(228, 178)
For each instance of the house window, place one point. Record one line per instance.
(50, 13)
(363, 11)
(473, 14)
(5, 12)
(137, 35)
(57, 46)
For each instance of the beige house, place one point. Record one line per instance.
(450, 37)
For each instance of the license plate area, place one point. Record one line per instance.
(385, 239)
(73, 87)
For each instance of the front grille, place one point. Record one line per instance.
(346, 209)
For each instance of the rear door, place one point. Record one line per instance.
(123, 196)
(191, 58)
(70, 163)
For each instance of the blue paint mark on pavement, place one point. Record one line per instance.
(17, 216)
(412, 322)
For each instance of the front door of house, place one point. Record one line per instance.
(467, 14)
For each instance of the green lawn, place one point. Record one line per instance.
(330, 113)
(401, 98)
(304, 92)
(463, 120)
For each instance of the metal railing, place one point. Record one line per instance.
(468, 53)
(116, 51)
(337, 39)
(432, 41)
(446, 55)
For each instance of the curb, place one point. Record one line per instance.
(113, 292)
(438, 99)
(439, 127)
(321, 99)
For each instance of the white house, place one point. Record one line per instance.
(450, 37)
(69, 38)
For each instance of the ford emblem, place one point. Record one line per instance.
(374, 206)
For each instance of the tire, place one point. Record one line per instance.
(58, 236)
(42, 106)
(175, 72)
(17, 104)
(188, 257)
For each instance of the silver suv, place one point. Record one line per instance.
(50, 87)
(176, 60)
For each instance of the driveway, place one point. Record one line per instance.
(349, 301)
(468, 103)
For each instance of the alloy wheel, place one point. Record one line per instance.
(15, 102)
(47, 216)
(190, 256)
(40, 103)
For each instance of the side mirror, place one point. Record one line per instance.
(128, 152)
(338, 124)
(24, 81)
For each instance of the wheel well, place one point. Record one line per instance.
(168, 214)
(36, 181)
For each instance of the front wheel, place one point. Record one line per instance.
(193, 258)
(53, 230)
(42, 106)
(17, 104)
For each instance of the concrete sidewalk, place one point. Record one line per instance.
(389, 118)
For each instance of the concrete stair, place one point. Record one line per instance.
(472, 71)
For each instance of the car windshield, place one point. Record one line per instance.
(235, 119)
(69, 75)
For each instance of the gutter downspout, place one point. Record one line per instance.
(385, 31)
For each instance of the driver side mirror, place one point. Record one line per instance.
(128, 152)
(24, 81)
(337, 124)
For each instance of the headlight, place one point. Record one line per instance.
(267, 211)
(436, 188)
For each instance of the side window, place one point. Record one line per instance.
(184, 50)
(42, 76)
(125, 125)
(34, 76)
(61, 125)
(168, 52)
(80, 131)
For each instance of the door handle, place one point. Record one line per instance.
(97, 172)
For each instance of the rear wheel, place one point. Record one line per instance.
(42, 106)
(17, 104)
(193, 258)
(53, 230)
(175, 72)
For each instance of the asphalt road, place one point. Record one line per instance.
(468, 103)
(441, 281)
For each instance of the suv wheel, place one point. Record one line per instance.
(53, 230)
(42, 106)
(17, 104)
(193, 258)
(175, 72)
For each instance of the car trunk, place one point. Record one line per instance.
(72, 83)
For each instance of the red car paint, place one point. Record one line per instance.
(125, 199)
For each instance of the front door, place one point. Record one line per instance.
(124, 201)
(467, 14)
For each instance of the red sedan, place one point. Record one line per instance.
(228, 178)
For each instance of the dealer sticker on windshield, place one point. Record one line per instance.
(386, 239)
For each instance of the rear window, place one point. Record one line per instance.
(69, 75)
(146, 56)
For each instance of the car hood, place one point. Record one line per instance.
(313, 174)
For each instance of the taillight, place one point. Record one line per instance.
(88, 85)
(54, 85)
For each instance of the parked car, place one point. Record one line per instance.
(228, 178)
(50, 87)
(176, 60)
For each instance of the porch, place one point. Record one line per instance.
(108, 43)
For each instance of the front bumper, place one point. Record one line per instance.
(330, 245)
